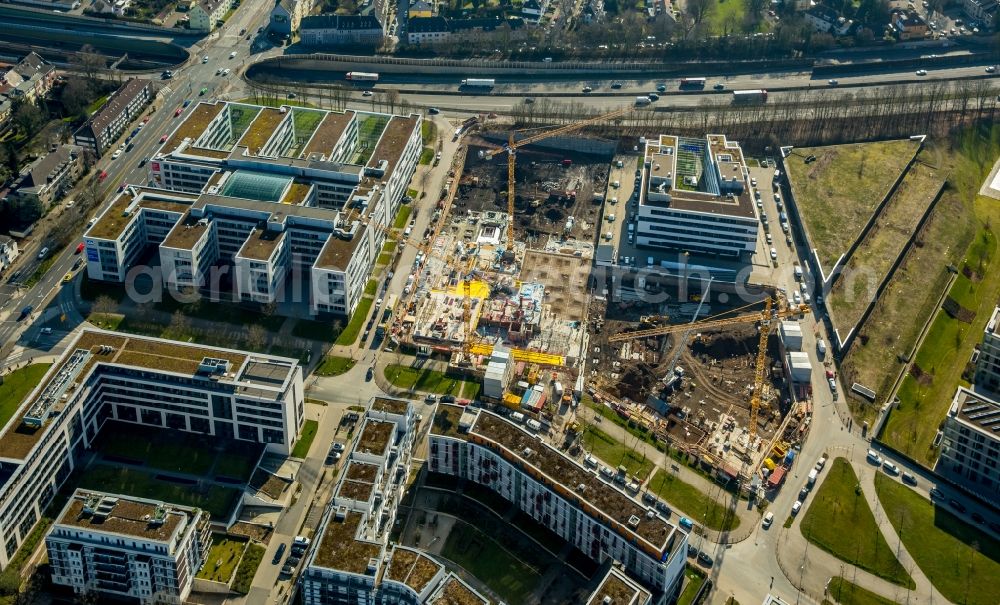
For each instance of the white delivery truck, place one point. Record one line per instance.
(641, 101)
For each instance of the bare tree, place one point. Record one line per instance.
(256, 337)
(104, 305)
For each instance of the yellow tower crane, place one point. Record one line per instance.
(512, 146)
(765, 317)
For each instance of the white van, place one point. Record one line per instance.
(534, 424)
(517, 417)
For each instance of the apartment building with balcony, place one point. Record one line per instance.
(49, 177)
(150, 381)
(594, 516)
(120, 547)
(265, 194)
(100, 132)
(988, 361)
(970, 446)
(694, 196)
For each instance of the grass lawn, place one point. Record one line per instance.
(301, 449)
(222, 558)
(236, 464)
(97, 104)
(428, 131)
(334, 365)
(946, 349)
(326, 331)
(428, 381)
(402, 218)
(16, 387)
(843, 592)
(248, 568)
(371, 287)
(616, 454)
(384, 259)
(426, 156)
(43, 268)
(484, 558)
(839, 521)
(872, 260)
(358, 319)
(107, 321)
(697, 505)
(693, 579)
(837, 193)
(218, 501)
(960, 560)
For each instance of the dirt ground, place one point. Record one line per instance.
(543, 201)
(565, 279)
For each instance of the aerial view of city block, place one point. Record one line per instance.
(499, 302)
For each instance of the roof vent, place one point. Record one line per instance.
(606, 600)
(372, 565)
(340, 514)
(633, 521)
(527, 452)
(581, 487)
(650, 514)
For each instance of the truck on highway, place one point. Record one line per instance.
(693, 83)
(641, 101)
(362, 76)
(750, 96)
(479, 83)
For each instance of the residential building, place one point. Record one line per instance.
(49, 177)
(616, 588)
(420, 9)
(286, 16)
(970, 446)
(8, 252)
(206, 15)
(595, 516)
(695, 196)
(341, 30)
(909, 25)
(267, 192)
(499, 372)
(150, 381)
(121, 547)
(126, 104)
(31, 79)
(822, 18)
(988, 362)
(349, 550)
(983, 11)
(427, 30)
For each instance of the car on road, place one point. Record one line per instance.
(46, 331)
(433, 111)
(79, 248)
(956, 505)
(366, 93)
(529, 100)
(796, 507)
(243, 31)
(587, 89)
(25, 312)
(890, 468)
(909, 478)
(186, 103)
(203, 90)
(832, 82)
(704, 559)
(143, 161)
(661, 88)
(369, 374)
(616, 85)
(719, 87)
(978, 518)
(204, 59)
(990, 69)
(653, 96)
(232, 55)
(103, 175)
(117, 154)
(768, 520)
(176, 113)
(278, 554)
(77, 263)
(936, 494)
(921, 72)
(68, 277)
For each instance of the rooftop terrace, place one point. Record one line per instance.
(391, 406)
(981, 412)
(573, 481)
(330, 130)
(339, 547)
(126, 517)
(111, 224)
(454, 592)
(376, 437)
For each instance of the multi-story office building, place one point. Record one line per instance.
(595, 516)
(970, 447)
(149, 381)
(988, 363)
(616, 588)
(694, 196)
(128, 548)
(267, 193)
(100, 132)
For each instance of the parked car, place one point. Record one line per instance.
(872, 455)
(936, 494)
(337, 446)
(957, 505)
(369, 374)
(447, 399)
(704, 559)
(768, 520)
(278, 554)
(890, 468)
(796, 507)
(909, 478)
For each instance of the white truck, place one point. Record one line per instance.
(479, 83)
(750, 96)
(811, 481)
(641, 101)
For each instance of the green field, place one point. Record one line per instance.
(16, 386)
(301, 449)
(429, 381)
(839, 521)
(223, 558)
(481, 556)
(843, 592)
(402, 217)
(248, 568)
(218, 501)
(694, 503)
(358, 319)
(960, 560)
(334, 365)
(615, 454)
(693, 579)
(837, 193)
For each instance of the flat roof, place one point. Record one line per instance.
(361, 471)
(390, 405)
(446, 420)
(981, 412)
(186, 233)
(376, 437)
(991, 327)
(296, 193)
(392, 142)
(261, 244)
(262, 129)
(453, 591)
(339, 547)
(412, 568)
(530, 452)
(337, 252)
(621, 589)
(193, 125)
(112, 222)
(122, 516)
(329, 133)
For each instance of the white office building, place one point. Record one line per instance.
(252, 196)
(988, 363)
(150, 381)
(970, 448)
(128, 548)
(595, 516)
(694, 196)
